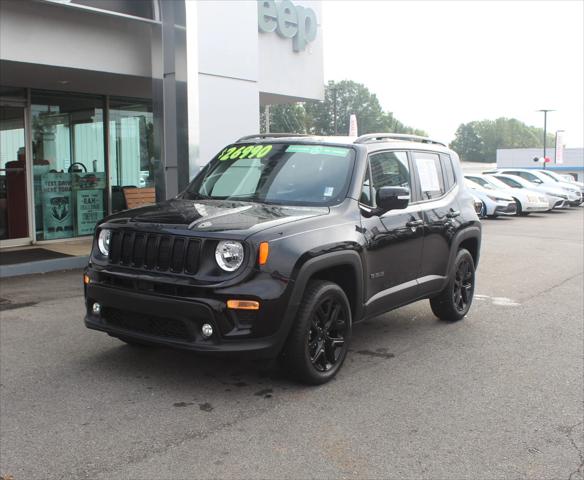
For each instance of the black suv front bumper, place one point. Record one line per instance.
(176, 322)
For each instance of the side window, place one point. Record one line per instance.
(430, 174)
(449, 177)
(388, 169)
(366, 191)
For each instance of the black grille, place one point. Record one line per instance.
(153, 251)
(148, 325)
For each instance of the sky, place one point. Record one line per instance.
(437, 64)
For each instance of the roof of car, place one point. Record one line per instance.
(368, 139)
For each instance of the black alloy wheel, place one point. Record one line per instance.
(454, 301)
(326, 336)
(463, 286)
(319, 338)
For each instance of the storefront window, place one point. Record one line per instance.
(131, 149)
(68, 164)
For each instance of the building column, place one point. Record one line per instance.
(169, 100)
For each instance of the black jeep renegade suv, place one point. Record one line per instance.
(281, 243)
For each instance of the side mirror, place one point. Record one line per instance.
(392, 198)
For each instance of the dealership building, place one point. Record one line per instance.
(570, 161)
(108, 102)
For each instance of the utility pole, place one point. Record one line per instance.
(335, 108)
(267, 117)
(545, 112)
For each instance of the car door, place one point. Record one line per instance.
(393, 241)
(441, 214)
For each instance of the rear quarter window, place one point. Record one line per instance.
(449, 175)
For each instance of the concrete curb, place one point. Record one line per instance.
(43, 266)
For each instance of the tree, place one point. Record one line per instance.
(289, 118)
(341, 99)
(468, 143)
(478, 141)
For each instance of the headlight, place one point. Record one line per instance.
(229, 255)
(103, 242)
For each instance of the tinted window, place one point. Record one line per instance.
(388, 169)
(430, 174)
(449, 177)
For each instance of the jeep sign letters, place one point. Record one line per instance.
(288, 20)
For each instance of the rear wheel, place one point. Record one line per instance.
(319, 340)
(454, 302)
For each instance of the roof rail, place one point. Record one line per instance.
(270, 135)
(379, 137)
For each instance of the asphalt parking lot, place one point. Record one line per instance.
(498, 395)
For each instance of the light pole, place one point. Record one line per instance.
(545, 112)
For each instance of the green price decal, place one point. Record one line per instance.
(246, 151)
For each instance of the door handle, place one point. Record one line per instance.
(415, 223)
(453, 214)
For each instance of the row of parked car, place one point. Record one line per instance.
(517, 191)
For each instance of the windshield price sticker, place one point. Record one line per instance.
(246, 151)
(318, 150)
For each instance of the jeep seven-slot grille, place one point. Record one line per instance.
(153, 251)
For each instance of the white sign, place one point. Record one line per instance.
(560, 146)
(353, 131)
(428, 174)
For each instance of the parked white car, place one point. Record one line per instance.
(570, 182)
(527, 200)
(556, 197)
(496, 203)
(539, 178)
(571, 179)
(479, 205)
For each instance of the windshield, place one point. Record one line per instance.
(482, 182)
(551, 175)
(497, 183)
(276, 173)
(510, 182)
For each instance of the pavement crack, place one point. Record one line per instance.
(580, 469)
(548, 289)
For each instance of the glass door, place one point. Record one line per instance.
(69, 174)
(14, 218)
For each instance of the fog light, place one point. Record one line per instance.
(206, 330)
(96, 308)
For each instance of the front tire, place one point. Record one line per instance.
(454, 302)
(519, 212)
(319, 339)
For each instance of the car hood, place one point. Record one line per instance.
(217, 215)
(550, 190)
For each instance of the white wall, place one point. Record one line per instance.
(228, 39)
(523, 158)
(236, 63)
(229, 109)
(282, 71)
